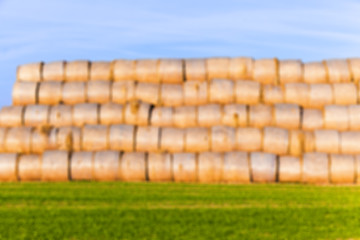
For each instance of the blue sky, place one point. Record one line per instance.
(104, 30)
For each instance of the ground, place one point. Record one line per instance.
(116, 210)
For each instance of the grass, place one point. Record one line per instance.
(115, 210)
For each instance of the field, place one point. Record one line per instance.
(115, 210)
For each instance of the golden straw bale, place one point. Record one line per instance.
(236, 167)
(221, 91)
(289, 169)
(148, 93)
(185, 167)
(98, 91)
(287, 116)
(272, 94)
(197, 140)
(54, 71)
(309, 142)
(240, 68)
(345, 93)
(321, 94)
(195, 93)
(86, 113)
(195, 69)
(260, 115)
(101, 71)
(77, 71)
(137, 113)
(74, 92)
(124, 70)
(354, 67)
(342, 168)
(234, 115)
(25, 93)
(12, 116)
(296, 142)
(106, 165)
(171, 71)
(247, 92)
(263, 167)
(60, 115)
(8, 167)
(354, 117)
(315, 168)
(327, 141)
(162, 117)
(3, 132)
(29, 167)
(81, 166)
(217, 68)
(312, 119)
(147, 70)
(172, 140)
(248, 139)
(297, 93)
(276, 140)
(315, 72)
(336, 117)
(55, 166)
(160, 167)
(50, 93)
(133, 167)
(266, 71)
(123, 91)
(95, 138)
(18, 140)
(172, 95)
(223, 139)
(357, 168)
(69, 139)
(31, 72)
(185, 116)
(148, 139)
(209, 115)
(210, 167)
(338, 70)
(350, 142)
(111, 113)
(36, 115)
(39, 140)
(122, 137)
(290, 71)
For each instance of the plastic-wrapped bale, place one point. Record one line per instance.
(209, 115)
(111, 113)
(296, 142)
(39, 140)
(195, 69)
(297, 93)
(160, 167)
(321, 94)
(309, 144)
(221, 91)
(290, 71)
(99, 91)
(263, 167)
(101, 71)
(3, 132)
(171, 71)
(31, 72)
(12, 116)
(197, 140)
(276, 140)
(349, 142)
(54, 71)
(236, 167)
(315, 168)
(287, 116)
(345, 93)
(315, 72)
(137, 113)
(148, 93)
(68, 138)
(289, 169)
(195, 93)
(86, 113)
(327, 141)
(171, 95)
(312, 119)
(336, 117)
(133, 167)
(148, 139)
(124, 70)
(81, 165)
(354, 66)
(18, 140)
(36, 115)
(50, 93)
(185, 116)
(248, 139)
(185, 167)
(55, 166)
(60, 115)
(260, 115)
(8, 167)
(266, 71)
(147, 70)
(29, 168)
(162, 117)
(172, 140)
(272, 94)
(210, 167)
(240, 68)
(25, 93)
(217, 68)
(338, 70)
(106, 165)
(122, 137)
(77, 71)
(123, 91)
(95, 138)
(247, 92)
(234, 115)
(74, 92)
(223, 139)
(354, 117)
(342, 168)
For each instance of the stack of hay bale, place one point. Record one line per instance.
(194, 120)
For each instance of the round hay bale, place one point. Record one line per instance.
(195, 93)
(222, 91)
(111, 113)
(31, 72)
(195, 70)
(287, 116)
(345, 93)
(327, 141)
(338, 70)
(172, 95)
(160, 167)
(276, 140)
(209, 115)
(172, 140)
(309, 142)
(272, 94)
(185, 116)
(137, 113)
(350, 142)
(8, 167)
(148, 139)
(99, 91)
(266, 71)
(77, 71)
(315, 168)
(12, 116)
(55, 166)
(197, 139)
(236, 167)
(69, 138)
(185, 167)
(296, 143)
(320, 95)
(248, 139)
(247, 92)
(241, 68)
(25, 93)
(95, 138)
(122, 137)
(210, 167)
(50, 93)
(342, 168)
(3, 132)
(263, 167)
(312, 119)
(52, 139)
(289, 169)
(162, 117)
(290, 71)
(234, 115)
(260, 115)
(60, 115)
(36, 115)
(147, 71)
(18, 140)
(297, 93)
(81, 166)
(39, 140)
(354, 117)
(123, 91)
(336, 117)
(223, 139)
(354, 67)
(29, 167)
(217, 68)
(54, 71)
(315, 72)
(148, 93)
(106, 165)
(133, 167)
(74, 92)
(124, 70)
(101, 71)
(86, 113)
(171, 71)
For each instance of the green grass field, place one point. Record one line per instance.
(115, 210)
